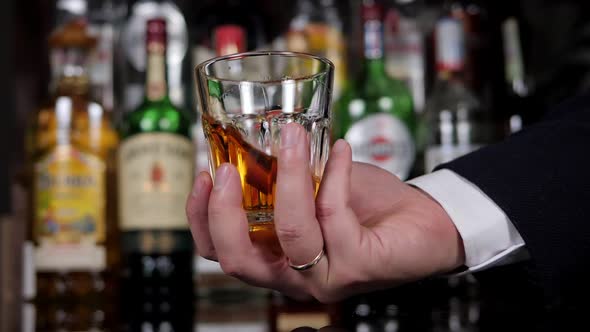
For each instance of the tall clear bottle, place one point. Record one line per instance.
(156, 166)
(375, 114)
(457, 124)
(71, 256)
(518, 87)
(405, 51)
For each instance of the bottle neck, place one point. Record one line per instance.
(73, 86)
(373, 48)
(374, 68)
(73, 74)
(514, 66)
(450, 49)
(156, 84)
(230, 39)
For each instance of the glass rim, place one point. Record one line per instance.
(200, 69)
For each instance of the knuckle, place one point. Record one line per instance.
(325, 210)
(289, 233)
(231, 268)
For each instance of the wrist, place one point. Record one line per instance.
(449, 249)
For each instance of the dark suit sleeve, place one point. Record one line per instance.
(540, 178)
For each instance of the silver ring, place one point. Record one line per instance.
(308, 265)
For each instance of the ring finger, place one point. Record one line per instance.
(238, 256)
(295, 217)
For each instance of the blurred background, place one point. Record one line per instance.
(472, 72)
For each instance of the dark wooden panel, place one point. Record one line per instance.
(24, 26)
(7, 96)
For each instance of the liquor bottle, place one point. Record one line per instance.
(405, 52)
(317, 28)
(156, 168)
(71, 256)
(457, 124)
(518, 87)
(473, 17)
(375, 114)
(206, 16)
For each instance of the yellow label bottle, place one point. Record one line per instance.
(71, 254)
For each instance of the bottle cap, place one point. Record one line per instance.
(229, 39)
(156, 30)
(371, 10)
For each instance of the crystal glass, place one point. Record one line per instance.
(246, 99)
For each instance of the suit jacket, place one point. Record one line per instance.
(540, 177)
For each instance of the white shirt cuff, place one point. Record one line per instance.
(489, 238)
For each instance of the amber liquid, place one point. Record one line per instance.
(258, 173)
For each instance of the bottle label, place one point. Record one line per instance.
(70, 211)
(440, 154)
(384, 141)
(155, 178)
(373, 39)
(450, 45)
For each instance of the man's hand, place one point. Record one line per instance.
(377, 232)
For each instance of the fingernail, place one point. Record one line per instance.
(221, 176)
(289, 135)
(339, 146)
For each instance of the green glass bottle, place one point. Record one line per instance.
(156, 166)
(375, 114)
